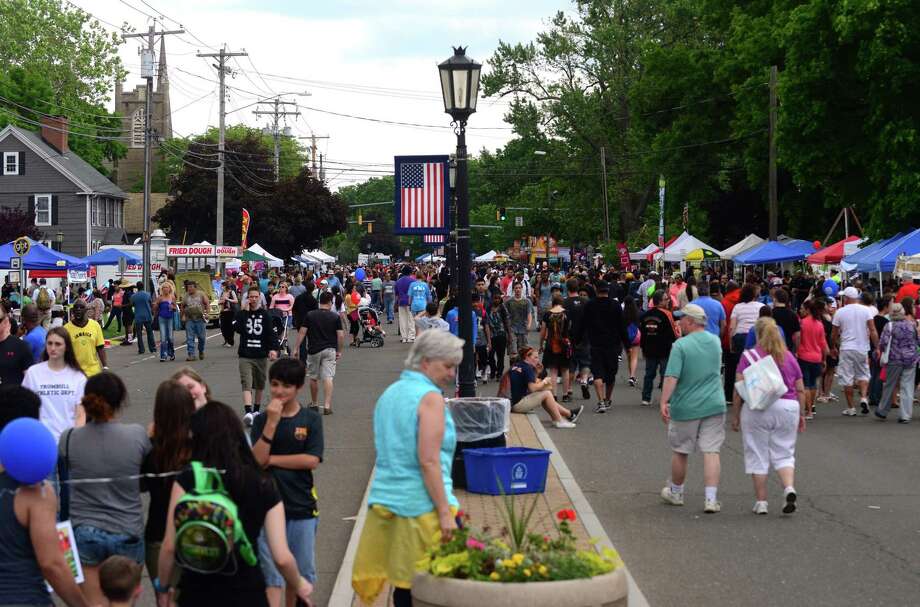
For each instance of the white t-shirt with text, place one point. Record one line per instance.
(60, 392)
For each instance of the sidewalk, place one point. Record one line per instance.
(524, 431)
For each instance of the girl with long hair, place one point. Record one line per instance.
(219, 442)
(170, 437)
(108, 518)
(769, 435)
(195, 384)
(165, 308)
(59, 382)
(812, 352)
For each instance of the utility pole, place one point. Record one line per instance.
(313, 170)
(774, 207)
(147, 71)
(606, 202)
(276, 113)
(222, 70)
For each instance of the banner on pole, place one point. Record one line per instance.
(623, 250)
(421, 195)
(434, 239)
(245, 233)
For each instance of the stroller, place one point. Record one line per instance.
(280, 327)
(370, 327)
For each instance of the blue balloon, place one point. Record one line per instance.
(830, 287)
(360, 274)
(28, 450)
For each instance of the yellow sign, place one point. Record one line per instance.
(22, 246)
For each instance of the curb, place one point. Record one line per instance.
(588, 518)
(342, 593)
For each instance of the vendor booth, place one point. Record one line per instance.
(771, 252)
(836, 252)
(747, 243)
(682, 246)
(270, 260)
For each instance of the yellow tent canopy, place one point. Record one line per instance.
(701, 255)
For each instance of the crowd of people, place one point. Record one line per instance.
(539, 333)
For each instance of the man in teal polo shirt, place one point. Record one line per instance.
(693, 406)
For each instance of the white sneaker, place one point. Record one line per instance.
(849, 412)
(646, 403)
(478, 374)
(760, 507)
(563, 424)
(669, 497)
(247, 419)
(712, 507)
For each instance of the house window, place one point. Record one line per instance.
(10, 163)
(119, 209)
(94, 212)
(43, 209)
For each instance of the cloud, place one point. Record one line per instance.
(372, 59)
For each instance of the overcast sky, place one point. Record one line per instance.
(376, 59)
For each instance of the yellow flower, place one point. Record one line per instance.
(527, 573)
(518, 558)
(543, 570)
(508, 563)
(494, 576)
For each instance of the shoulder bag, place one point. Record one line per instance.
(762, 383)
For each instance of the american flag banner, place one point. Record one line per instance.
(434, 238)
(421, 195)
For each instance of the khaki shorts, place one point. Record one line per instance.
(706, 434)
(528, 403)
(322, 364)
(253, 373)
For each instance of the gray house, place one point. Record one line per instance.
(70, 200)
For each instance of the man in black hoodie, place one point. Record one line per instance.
(605, 328)
(658, 335)
(258, 345)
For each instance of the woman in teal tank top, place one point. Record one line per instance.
(411, 496)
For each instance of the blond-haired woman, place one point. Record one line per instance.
(165, 309)
(769, 435)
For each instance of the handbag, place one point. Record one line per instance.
(887, 352)
(762, 383)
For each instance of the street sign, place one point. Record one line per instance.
(16, 263)
(21, 246)
(518, 221)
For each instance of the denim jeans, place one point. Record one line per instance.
(194, 329)
(301, 539)
(653, 367)
(139, 327)
(167, 347)
(96, 545)
(388, 301)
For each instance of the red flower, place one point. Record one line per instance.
(566, 515)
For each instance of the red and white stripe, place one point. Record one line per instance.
(424, 207)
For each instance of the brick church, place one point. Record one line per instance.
(129, 171)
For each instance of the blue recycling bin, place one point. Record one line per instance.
(518, 469)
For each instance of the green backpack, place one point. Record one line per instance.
(208, 527)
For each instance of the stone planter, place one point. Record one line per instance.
(608, 590)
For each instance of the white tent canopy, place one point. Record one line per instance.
(682, 245)
(644, 253)
(490, 256)
(273, 262)
(748, 242)
(318, 254)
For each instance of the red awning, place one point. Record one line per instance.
(47, 273)
(831, 254)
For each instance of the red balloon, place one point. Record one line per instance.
(817, 244)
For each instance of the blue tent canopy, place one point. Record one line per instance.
(862, 254)
(883, 258)
(111, 257)
(804, 247)
(772, 252)
(40, 257)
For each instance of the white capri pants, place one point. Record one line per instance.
(769, 436)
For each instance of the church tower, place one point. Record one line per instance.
(129, 171)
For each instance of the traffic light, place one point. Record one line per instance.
(360, 219)
(502, 215)
(370, 227)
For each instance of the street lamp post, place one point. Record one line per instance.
(460, 89)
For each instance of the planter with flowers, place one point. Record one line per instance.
(519, 568)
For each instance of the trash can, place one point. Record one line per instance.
(481, 422)
(507, 470)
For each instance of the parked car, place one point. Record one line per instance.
(212, 316)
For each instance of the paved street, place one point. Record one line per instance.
(853, 540)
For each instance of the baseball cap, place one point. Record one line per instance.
(851, 293)
(693, 311)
